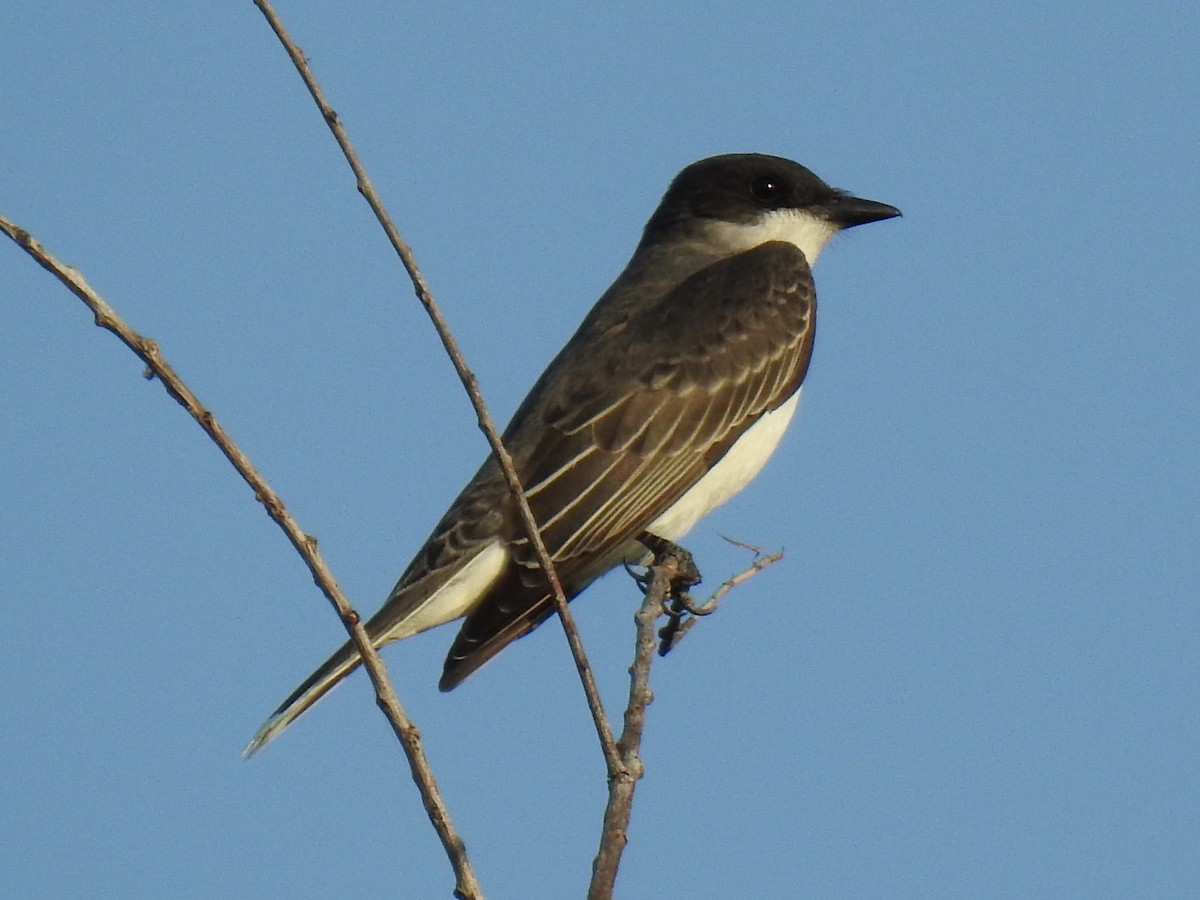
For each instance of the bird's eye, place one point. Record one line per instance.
(766, 188)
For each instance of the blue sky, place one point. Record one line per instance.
(975, 673)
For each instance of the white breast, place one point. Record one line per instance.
(735, 470)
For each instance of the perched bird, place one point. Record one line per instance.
(664, 404)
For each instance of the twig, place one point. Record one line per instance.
(467, 888)
(673, 571)
(614, 834)
(678, 625)
(603, 731)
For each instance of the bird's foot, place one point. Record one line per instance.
(678, 604)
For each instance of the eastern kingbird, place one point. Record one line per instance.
(664, 404)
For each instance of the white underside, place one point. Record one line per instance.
(735, 470)
(456, 596)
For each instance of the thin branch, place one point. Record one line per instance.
(680, 624)
(467, 888)
(614, 833)
(469, 381)
(673, 571)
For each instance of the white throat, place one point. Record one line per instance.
(808, 232)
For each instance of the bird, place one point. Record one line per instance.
(666, 402)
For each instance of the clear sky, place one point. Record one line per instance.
(974, 675)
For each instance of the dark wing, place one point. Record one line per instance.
(632, 414)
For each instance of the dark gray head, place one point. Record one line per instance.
(749, 198)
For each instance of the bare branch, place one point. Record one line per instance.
(665, 592)
(470, 383)
(467, 888)
(614, 834)
(684, 611)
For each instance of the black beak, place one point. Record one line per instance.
(846, 211)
